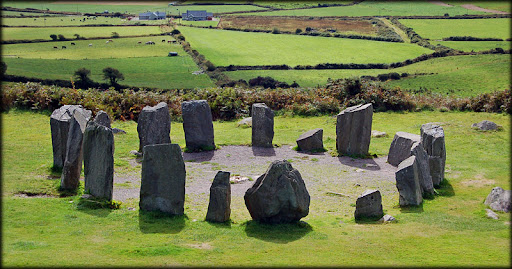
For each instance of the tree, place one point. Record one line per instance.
(77, 36)
(82, 77)
(113, 75)
(298, 31)
(61, 37)
(4, 68)
(53, 37)
(115, 35)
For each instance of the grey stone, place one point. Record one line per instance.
(311, 140)
(163, 179)
(379, 134)
(407, 183)
(246, 122)
(154, 125)
(491, 214)
(432, 139)
(118, 131)
(400, 148)
(387, 218)
(73, 162)
(59, 124)
(427, 187)
(278, 196)
(486, 125)
(136, 153)
(219, 208)
(499, 199)
(353, 130)
(263, 125)
(198, 125)
(369, 205)
(98, 151)
(102, 118)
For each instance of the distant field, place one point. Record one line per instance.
(223, 48)
(466, 75)
(297, 4)
(120, 48)
(26, 33)
(494, 5)
(376, 8)
(21, 14)
(438, 29)
(474, 45)
(74, 21)
(212, 8)
(91, 6)
(197, 23)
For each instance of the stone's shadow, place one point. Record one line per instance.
(93, 208)
(368, 221)
(311, 153)
(198, 157)
(277, 233)
(445, 189)
(159, 222)
(264, 152)
(221, 225)
(365, 164)
(412, 209)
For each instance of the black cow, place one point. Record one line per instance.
(73, 44)
(63, 47)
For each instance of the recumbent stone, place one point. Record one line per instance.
(499, 199)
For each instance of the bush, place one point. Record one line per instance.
(61, 37)
(275, 31)
(180, 37)
(175, 32)
(3, 68)
(298, 31)
(115, 35)
(209, 66)
(53, 37)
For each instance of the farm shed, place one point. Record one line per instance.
(157, 15)
(172, 53)
(197, 15)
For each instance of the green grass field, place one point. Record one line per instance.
(474, 45)
(197, 23)
(212, 8)
(450, 230)
(27, 33)
(21, 14)
(296, 4)
(466, 75)
(439, 29)
(376, 8)
(223, 48)
(75, 21)
(494, 5)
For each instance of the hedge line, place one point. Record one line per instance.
(470, 38)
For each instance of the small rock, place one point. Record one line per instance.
(486, 125)
(357, 185)
(237, 179)
(86, 196)
(377, 134)
(359, 170)
(499, 200)
(246, 122)
(118, 131)
(136, 153)
(491, 214)
(131, 208)
(387, 218)
(311, 140)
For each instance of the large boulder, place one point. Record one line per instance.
(278, 196)
(427, 187)
(70, 177)
(407, 183)
(311, 140)
(98, 151)
(198, 125)
(432, 139)
(499, 200)
(369, 205)
(219, 208)
(163, 179)
(400, 148)
(354, 130)
(102, 118)
(59, 124)
(262, 125)
(486, 125)
(154, 125)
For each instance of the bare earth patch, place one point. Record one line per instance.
(478, 181)
(473, 7)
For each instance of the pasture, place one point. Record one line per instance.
(275, 49)
(296, 4)
(439, 29)
(28, 33)
(177, 10)
(75, 21)
(449, 230)
(493, 5)
(475, 45)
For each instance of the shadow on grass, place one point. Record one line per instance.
(264, 152)
(445, 189)
(221, 225)
(159, 222)
(368, 221)
(412, 209)
(95, 208)
(198, 157)
(277, 233)
(363, 163)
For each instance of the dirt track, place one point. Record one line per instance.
(473, 7)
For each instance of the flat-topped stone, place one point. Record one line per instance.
(198, 125)
(154, 125)
(407, 183)
(432, 139)
(400, 148)
(262, 125)
(353, 130)
(311, 140)
(486, 125)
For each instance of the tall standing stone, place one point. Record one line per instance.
(279, 195)
(219, 208)
(432, 139)
(198, 125)
(163, 179)
(369, 205)
(262, 125)
(98, 151)
(407, 183)
(70, 177)
(59, 124)
(311, 140)
(154, 125)
(400, 148)
(427, 187)
(102, 118)
(354, 130)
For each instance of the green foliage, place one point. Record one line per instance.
(276, 31)
(175, 31)
(53, 37)
(61, 37)
(3, 68)
(31, 33)
(112, 75)
(115, 35)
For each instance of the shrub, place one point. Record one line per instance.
(180, 37)
(298, 31)
(3, 68)
(112, 75)
(53, 37)
(209, 65)
(115, 35)
(275, 31)
(175, 32)
(61, 37)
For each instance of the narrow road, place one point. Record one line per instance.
(399, 31)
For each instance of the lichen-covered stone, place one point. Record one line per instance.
(154, 125)
(219, 207)
(407, 183)
(262, 125)
(353, 130)
(198, 125)
(400, 148)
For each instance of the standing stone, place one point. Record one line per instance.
(219, 208)
(486, 125)
(311, 140)
(59, 124)
(70, 177)
(98, 150)
(407, 183)
(262, 125)
(278, 196)
(198, 125)
(354, 130)
(369, 205)
(499, 200)
(102, 118)
(163, 179)
(432, 139)
(427, 187)
(154, 125)
(400, 148)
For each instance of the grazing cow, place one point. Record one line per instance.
(90, 45)
(73, 44)
(110, 40)
(163, 40)
(169, 42)
(55, 47)
(63, 47)
(107, 42)
(140, 42)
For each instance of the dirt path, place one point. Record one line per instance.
(397, 30)
(440, 3)
(473, 7)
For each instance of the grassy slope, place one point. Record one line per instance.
(469, 75)
(495, 5)
(376, 8)
(297, 4)
(261, 48)
(68, 32)
(213, 8)
(439, 29)
(451, 230)
(74, 21)
(475, 45)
